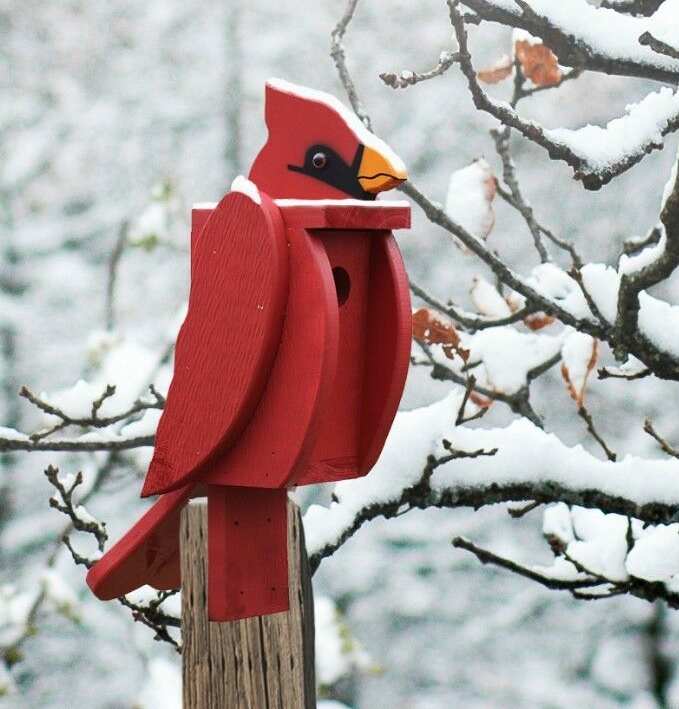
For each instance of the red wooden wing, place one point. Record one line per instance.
(147, 554)
(228, 342)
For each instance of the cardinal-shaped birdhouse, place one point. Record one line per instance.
(292, 359)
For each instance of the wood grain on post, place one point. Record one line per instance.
(265, 662)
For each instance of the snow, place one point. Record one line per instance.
(487, 300)
(578, 356)
(145, 426)
(127, 365)
(12, 434)
(75, 401)
(471, 191)
(557, 522)
(607, 31)
(249, 189)
(59, 592)
(163, 688)
(631, 264)
(640, 130)
(338, 654)
(355, 124)
(561, 569)
(601, 546)
(349, 202)
(153, 224)
(526, 454)
(508, 355)
(655, 556)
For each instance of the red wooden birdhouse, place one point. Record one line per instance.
(292, 359)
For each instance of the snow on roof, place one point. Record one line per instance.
(349, 117)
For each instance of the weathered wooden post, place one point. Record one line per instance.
(267, 661)
(288, 371)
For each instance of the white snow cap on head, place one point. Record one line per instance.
(365, 136)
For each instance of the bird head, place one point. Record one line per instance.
(319, 149)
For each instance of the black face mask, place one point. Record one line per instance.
(324, 164)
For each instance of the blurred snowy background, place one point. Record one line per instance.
(115, 114)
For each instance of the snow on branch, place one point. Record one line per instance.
(83, 411)
(477, 467)
(144, 609)
(597, 39)
(596, 154)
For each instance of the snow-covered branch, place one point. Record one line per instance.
(598, 39)
(476, 468)
(144, 609)
(596, 154)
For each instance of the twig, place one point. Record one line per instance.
(410, 78)
(113, 267)
(469, 321)
(417, 496)
(584, 414)
(519, 512)
(66, 505)
(461, 418)
(666, 447)
(488, 557)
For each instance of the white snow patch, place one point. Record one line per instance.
(630, 264)
(349, 202)
(469, 201)
(639, 130)
(601, 546)
(508, 355)
(249, 189)
(526, 454)
(487, 300)
(655, 556)
(557, 522)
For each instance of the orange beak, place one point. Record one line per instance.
(377, 173)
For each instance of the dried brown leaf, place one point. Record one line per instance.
(538, 62)
(431, 330)
(496, 73)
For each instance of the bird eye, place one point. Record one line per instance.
(319, 160)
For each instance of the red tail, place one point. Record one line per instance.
(247, 552)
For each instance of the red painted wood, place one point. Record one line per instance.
(247, 552)
(294, 124)
(284, 374)
(387, 354)
(346, 216)
(336, 452)
(373, 361)
(279, 437)
(228, 342)
(147, 554)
